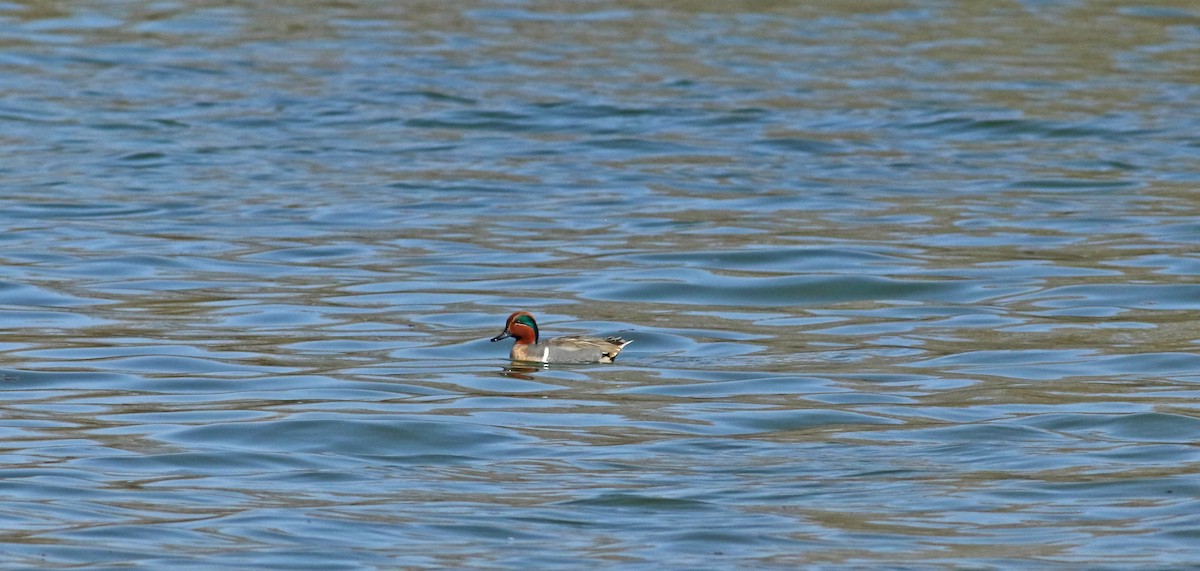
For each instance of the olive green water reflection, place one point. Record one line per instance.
(910, 285)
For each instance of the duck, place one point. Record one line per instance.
(574, 349)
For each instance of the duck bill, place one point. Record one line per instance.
(504, 335)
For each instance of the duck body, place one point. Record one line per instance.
(572, 349)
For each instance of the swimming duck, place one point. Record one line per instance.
(569, 349)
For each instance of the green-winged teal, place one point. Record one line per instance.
(570, 349)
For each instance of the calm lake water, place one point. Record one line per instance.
(910, 284)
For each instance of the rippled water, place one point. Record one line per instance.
(910, 284)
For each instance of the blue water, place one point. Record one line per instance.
(910, 285)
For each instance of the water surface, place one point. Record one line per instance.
(909, 284)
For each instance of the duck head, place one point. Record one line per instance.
(521, 326)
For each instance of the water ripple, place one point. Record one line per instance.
(908, 286)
